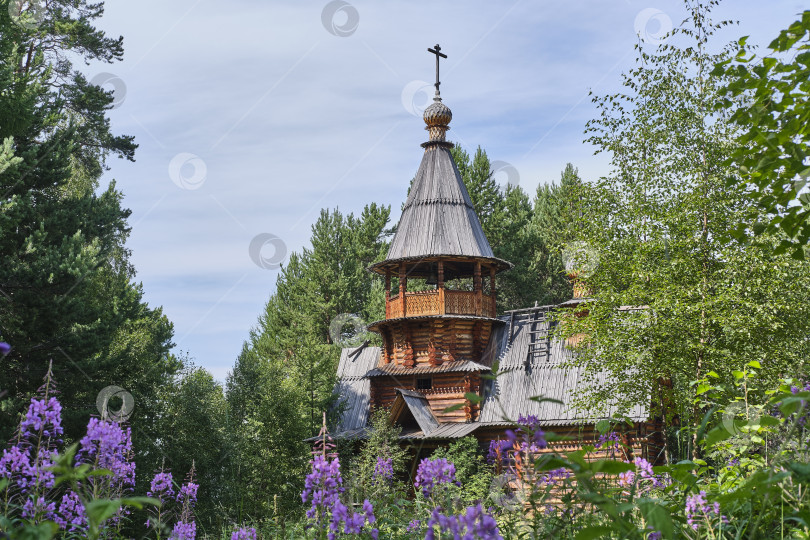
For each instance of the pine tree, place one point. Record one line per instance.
(557, 209)
(285, 376)
(68, 291)
(506, 216)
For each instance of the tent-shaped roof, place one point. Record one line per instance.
(438, 217)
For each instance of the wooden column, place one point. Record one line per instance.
(492, 288)
(387, 290)
(451, 344)
(440, 286)
(388, 343)
(402, 284)
(467, 403)
(477, 344)
(407, 356)
(477, 288)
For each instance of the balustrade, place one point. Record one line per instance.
(439, 302)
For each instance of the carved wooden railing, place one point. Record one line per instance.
(440, 302)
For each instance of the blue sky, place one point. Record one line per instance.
(252, 116)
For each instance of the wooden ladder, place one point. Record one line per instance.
(539, 338)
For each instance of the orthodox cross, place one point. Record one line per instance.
(438, 53)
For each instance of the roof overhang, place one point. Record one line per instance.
(376, 325)
(414, 404)
(387, 370)
(424, 266)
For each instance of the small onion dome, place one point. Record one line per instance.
(437, 114)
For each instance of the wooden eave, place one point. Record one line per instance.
(455, 266)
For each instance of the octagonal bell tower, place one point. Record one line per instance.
(435, 339)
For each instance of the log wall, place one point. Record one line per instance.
(448, 389)
(434, 341)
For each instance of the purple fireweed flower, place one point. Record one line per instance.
(555, 475)
(187, 497)
(322, 488)
(608, 441)
(243, 533)
(796, 389)
(528, 436)
(368, 510)
(699, 510)
(644, 470)
(498, 448)
(109, 446)
(188, 491)
(353, 522)
(27, 463)
(383, 471)
(627, 478)
(43, 417)
(39, 509)
(161, 487)
(432, 473)
(646, 473)
(71, 515)
(16, 464)
(414, 526)
(474, 523)
(184, 531)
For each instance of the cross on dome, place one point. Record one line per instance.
(437, 51)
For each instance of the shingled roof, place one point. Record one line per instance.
(416, 405)
(530, 364)
(438, 217)
(354, 389)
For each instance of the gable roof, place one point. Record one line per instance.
(532, 365)
(415, 404)
(448, 430)
(438, 218)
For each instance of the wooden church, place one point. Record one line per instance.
(439, 344)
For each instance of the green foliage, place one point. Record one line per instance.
(67, 289)
(514, 240)
(472, 469)
(193, 424)
(529, 234)
(770, 97)
(268, 425)
(285, 376)
(677, 298)
(382, 442)
(754, 474)
(486, 196)
(558, 208)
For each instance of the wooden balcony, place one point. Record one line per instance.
(440, 302)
